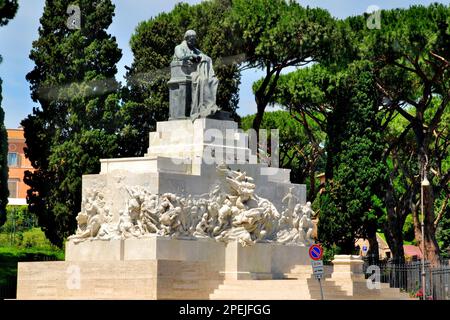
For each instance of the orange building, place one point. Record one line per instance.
(17, 164)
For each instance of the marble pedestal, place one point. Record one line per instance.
(348, 274)
(182, 158)
(125, 280)
(153, 268)
(231, 260)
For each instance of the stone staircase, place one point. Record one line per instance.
(280, 289)
(299, 284)
(389, 293)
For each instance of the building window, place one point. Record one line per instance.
(13, 159)
(13, 185)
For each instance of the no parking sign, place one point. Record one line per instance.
(315, 252)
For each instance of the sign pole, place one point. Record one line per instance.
(321, 290)
(315, 253)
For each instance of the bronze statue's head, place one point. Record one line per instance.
(191, 38)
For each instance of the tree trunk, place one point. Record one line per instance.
(417, 227)
(264, 94)
(431, 245)
(347, 247)
(312, 185)
(393, 228)
(374, 250)
(395, 243)
(258, 120)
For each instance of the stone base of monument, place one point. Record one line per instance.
(343, 281)
(154, 268)
(231, 260)
(148, 227)
(127, 280)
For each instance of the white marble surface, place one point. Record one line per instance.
(230, 210)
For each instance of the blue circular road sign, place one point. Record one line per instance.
(315, 252)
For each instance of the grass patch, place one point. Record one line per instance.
(9, 258)
(33, 238)
(30, 245)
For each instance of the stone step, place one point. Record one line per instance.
(385, 293)
(395, 293)
(281, 296)
(302, 276)
(239, 295)
(286, 290)
(275, 281)
(295, 289)
(283, 288)
(307, 269)
(276, 290)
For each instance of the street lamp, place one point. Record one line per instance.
(425, 183)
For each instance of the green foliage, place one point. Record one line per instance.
(411, 55)
(343, 103)
(10, 256)
(329, 252)
(147, 96)
(33, 254)
(275, 34)
(408, 228)
(409, 60)
(18, 219)
(281, 32)
(8, 9)
(443, 228)
(20, 231)
(36, 239)
(351, 205)
(33, 239)
(305, 88)
(78, 121)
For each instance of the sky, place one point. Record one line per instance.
(17, 37)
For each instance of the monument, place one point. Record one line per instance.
(196, 210)
(193, 84)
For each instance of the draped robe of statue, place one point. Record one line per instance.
(204, 82)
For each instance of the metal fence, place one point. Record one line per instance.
(440, 282)
(408, 277)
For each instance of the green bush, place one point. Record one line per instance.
(30, 239)
(329, 253)
(34, 238)
(4, 239)
(408, 229)
(18, 219)
(10, 256)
